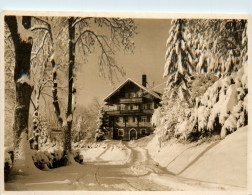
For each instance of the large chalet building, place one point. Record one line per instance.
(128, 110)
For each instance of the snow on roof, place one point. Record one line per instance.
(140, 86)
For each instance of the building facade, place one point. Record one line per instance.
(128, 110)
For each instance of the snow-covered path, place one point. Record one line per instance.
(138, 173)
(89, 176)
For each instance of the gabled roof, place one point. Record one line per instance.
(156, 95)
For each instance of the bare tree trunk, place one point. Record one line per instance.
(55, 94)
(36, 122)
(22, 67)
(23, 96)
(69, 114)
(23, 88)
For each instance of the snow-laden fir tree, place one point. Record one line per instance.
(179, 57)
(99, 132)
(178, 68)
(220, 45)
(189, 107)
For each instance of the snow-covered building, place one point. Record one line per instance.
(128, 110)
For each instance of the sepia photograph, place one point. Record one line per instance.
(117, 102)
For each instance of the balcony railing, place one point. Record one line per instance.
(131, 100)
(118, 112)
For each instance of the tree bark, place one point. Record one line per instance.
(22, 67)
(55, 94)
(23, 162)
(69, 117)
(36, 122)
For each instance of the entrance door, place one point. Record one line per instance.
(133, 134)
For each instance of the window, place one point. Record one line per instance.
(120, 132)
(131, 107)
(144, 119)
(127, 95)
(148, 106)
(143, 131)
(133, 119)
(136, 107)
(123, 107)
(148, 118)
(144, 106)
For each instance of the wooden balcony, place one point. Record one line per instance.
(131, 100)
(129, 112)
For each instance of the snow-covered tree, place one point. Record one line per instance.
(220, 45)
(178, 68)
(213, 46)
(100, 123)
(87, 35)
(179, 57)
(21, 34)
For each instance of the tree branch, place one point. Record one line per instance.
(40, 19)
(77, 20)
(48, 26)
(39, 28)
(46, 94)
(97, 37)
(33, 104)
(40, 47)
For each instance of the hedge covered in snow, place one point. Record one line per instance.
(50, 158)
(53, 158)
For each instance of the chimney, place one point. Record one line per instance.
(144, 80)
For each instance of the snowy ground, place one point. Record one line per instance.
(222, 162)
(128, 166)
(107, 152)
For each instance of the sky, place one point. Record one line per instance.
(148, 58)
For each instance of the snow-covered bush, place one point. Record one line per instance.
(218, 107)
(223, 107)
(53, 158)
(174, 117)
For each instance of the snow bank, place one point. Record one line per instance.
(184, 184)
(175, 156)
(222, 161)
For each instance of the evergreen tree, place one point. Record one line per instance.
(179, 57)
